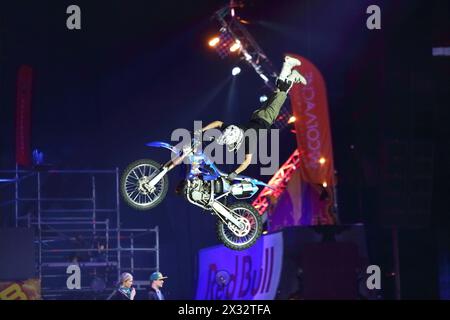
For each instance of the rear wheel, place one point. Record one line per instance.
(243, 238)
(134, 185)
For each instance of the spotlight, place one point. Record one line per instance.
(235, 46)
(236, 71)
(322, 160)
(232, 12)
(263, 98)
(292, 119)
(214, 41)
(324, 184)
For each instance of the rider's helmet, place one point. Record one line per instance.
(232, 136)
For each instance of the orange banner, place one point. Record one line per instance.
(21, 290)
(309, 196)
(310, 106)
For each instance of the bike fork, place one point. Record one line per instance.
(165, 168)
(224, 213)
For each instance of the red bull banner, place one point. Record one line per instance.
(23, 116)
(308, 199)
(21, 290)
(251, 274)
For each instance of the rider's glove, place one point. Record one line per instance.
(232, 176)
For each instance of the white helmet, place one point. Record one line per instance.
(232, 137)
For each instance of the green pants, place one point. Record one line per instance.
(270, 110)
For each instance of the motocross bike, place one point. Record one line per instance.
(144, 185)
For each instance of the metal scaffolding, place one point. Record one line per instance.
(80, 225)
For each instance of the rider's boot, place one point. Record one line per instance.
(288, 65)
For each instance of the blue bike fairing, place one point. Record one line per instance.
(160, 144)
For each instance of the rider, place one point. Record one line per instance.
(233, 135)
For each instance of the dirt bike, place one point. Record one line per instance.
(144, 185)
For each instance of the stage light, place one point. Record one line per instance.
(322, 160)
(292, 119)
(263, 98)
(232, 12)
(265, 232)
(325, 184)
(236, 71)
(214, 41)
(247, 56)
(263, 76)
(235, 46)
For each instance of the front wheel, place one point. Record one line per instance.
(245, 237)
(135, 188)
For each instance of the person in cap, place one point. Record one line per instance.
(125, 290)
(156, 283)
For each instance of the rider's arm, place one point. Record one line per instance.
(212, 125)
(245, 164)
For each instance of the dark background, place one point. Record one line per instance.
(139, 69)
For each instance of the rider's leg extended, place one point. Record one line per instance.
(270, 110)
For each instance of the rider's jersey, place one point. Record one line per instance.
(255, 124)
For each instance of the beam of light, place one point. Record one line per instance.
(231, 101)
(236, 71)
(280, 28)
(207, 100)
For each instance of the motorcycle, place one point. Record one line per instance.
(144, 184)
